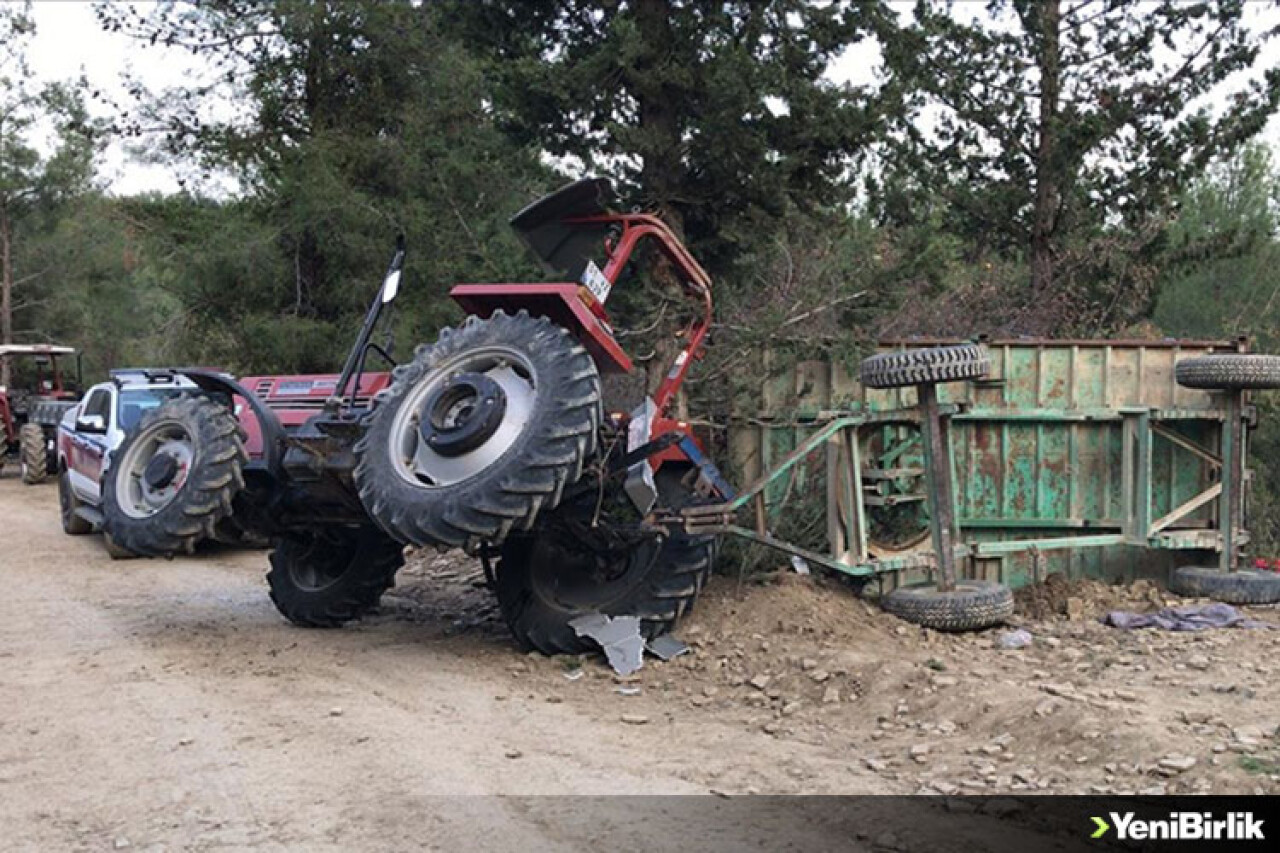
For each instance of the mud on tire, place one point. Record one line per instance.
(925, 366)
(1242, 587)
(324, 580)
(543, 583)
(158, 508)
(32, 454)
(487, 485)
(1229, 371)
(971, 606)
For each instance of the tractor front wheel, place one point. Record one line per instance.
(322, 580)
(547, 579)
(32, 454)
(480, 433)
(173, 478)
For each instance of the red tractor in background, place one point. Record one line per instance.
(493, 439)
(31, 409)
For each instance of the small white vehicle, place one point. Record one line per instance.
(95, 427)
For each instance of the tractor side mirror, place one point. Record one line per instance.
(91, 424)
(390, 286)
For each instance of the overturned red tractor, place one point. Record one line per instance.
(493, 439)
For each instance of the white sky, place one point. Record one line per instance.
(69, 41)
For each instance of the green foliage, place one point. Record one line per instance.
(1063, 132)
(37, 188)
(365, 122)
(1221, 279)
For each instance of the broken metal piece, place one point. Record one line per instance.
(667, 647)
(618, 636)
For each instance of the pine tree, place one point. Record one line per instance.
(715, 115)
(356, 120)
(1042, 124)
(32, 181)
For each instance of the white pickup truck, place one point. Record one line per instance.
(96, 426)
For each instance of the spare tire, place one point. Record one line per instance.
(480, 433)
(926, 366)
(1246, 586)
(971, 606)
(1229, 372)
(173, 478)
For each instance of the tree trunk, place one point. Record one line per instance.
(659, 149)
(1044, 217)
(6, 290)
(659, 143)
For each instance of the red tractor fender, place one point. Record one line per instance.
(565, 304)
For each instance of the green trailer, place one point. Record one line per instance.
(1098, 458)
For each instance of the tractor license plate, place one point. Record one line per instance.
(596, 282)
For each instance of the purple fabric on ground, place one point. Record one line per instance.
(1192, 617)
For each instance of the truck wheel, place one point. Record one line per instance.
(173, 478)
(325, 579)
(549, 578)
(926, 366)
(32, 454)
(971, 606)
(1229, 372)
(480, 433)
(68, 503)
(1242, 587)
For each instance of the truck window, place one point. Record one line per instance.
(99, 403)
(136, 402)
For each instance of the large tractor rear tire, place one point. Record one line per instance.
(174, 477)
(324, 580)
(480, 433)
(113, 549)
(549, 578)
(33, 454)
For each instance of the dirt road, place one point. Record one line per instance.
(151, 704)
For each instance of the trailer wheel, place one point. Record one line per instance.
(971, 606)
(925, 366)
(324, 580)
(68, 503)
(480, 433)
(32, 454)
(547, 579)
(173, 478)
(1242, 587)
(1229, 372)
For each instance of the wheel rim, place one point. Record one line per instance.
(578, 580)
(463, 417)
(154, 470)
(320, 564)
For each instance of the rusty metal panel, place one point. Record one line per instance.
(1039, 446)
